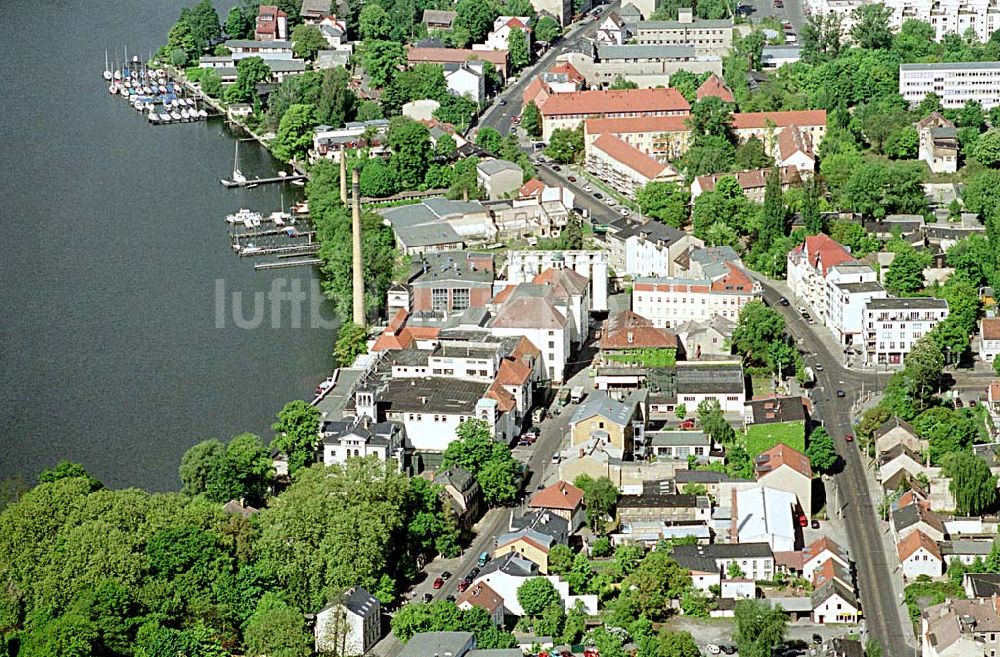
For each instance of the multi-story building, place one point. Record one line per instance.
(668, 302)
(272, 24)
(350, 625)
(709, 37)
(570, 109)
(466, 79)
(753, 182)
(808, 266)
(361, 438)
(561, 10)
(651, 248)
(664, 138)
(768, 127)
(954, 83)
(266, 50)
(949, 16)
(722, 381)
(445, 283)
(843, 9)
(893, 325)
(527, 310)
(849, 286)
(624, 167)
(989, 338)
(499, 178)
(961, 628)
(524, 266)
(709, 564)
(938, 143)
(499, 36)
(329, 142)
(457, 56)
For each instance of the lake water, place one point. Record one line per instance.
(113, 248)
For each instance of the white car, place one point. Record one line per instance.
(712, 649)
(625, 212)
(556, 458)
(588, 188)
(610, 201)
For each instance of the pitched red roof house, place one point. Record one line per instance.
(628, 330)
(560, 495)
(627, 102)
(714, 86)
(632, 157)
(763, 120)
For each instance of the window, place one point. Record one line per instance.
(439, 299)
(552, 345)
(459, 299)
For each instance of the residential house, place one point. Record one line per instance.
(715, 86)
(975, 20)
(768, 126)
(528, 544)
(499, 36)
(989, 338)
(955, 83)
(849, 288)
(829, 570)
(893, 325)
(705, 339)
(615, 423)
(570, 109)
(899, 457)
(482, 596)
(785, 469)
(313, 11)
(466, 80)
(360, 438)
(648, 249)
(835, 603)
(679, 445)
(820, 552)
(624, 167)
(562, 77)
(919, 555)
(524, 266)
(266, 50)
(462, 493)
(437, 19)
(981, 585)
(505, 576)
(330, 142)
(663, 138)
(499, 178)
(753, 183)
(561, 499)
(528, 311)
(456, 644)
(938, 143)
(670, 508)
(709, 564)
(611, 31)
(722, 381)
(766, 515)
(808, 266)
(960, 628)
(898, 432)
(709, 38)
(670, 301)
(272, 24)
(916, 517)
(334, 30)
(416, 55)
(795, 149)
(773, 57)
(630, 339)
(965, 551)
(350, 625)
(784, 411)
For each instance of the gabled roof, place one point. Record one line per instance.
(896, 451)
(913, 542)
(462, 480)
(791, 140)
(913, 514)
(599, 403)
(623, 125)
(636, 101)
(824, 252)
(442, 55)
(631, 157)
(828, 570)
(512, 373)
(560, 495)
(541, 541)
(834, 587)
(753, 179)
(780, 455)
(629, 330)
(439, 16)
(714, 86)
(820, 545)
(762, 120)
(564, 282)
(482, 596)
(529, 312)
(533, 187)
(990, 327)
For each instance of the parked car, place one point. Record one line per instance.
(428, 597)
(438, 583)
(450, 598)
(958, 402)
(841, 394)
(849, 437)
(803, 521)
(728, 649)
(556, 167)
(973, 403)
(503, 102)
(687, 424)
(598, 195)
(446, 575)
(815, 524)
(783, 301)
(474, 572)
(571, 178)
(532, 433)
(588, 188)
(464, 584)
(819, 367)
(556, 459)
(817, 639)
(712, 649)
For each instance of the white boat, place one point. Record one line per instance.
(153, 117)
(250, 249)
(175, 115)
(147, 90)
(123, 91)
(165, 117)
(117, 75)
(113, 89)
(184, 114)
(160, 73)
(107, 71)
(238, 176)
(280, 218)
(243, 216)
(203, 114)
(299, 183)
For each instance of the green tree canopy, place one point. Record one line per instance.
(821, 451)
(547, 29)
(565, 145)
(297, 434)
(905, 275)
(307, 40)
(600, 497)
(351, 343)
(531, 119)
(759, 628)
(488, 460)
(972, 483)
(295, 133)
(67, 469)
(277, 630)
(871, 26)
(518, 49)
(537, 594)
(666, 201)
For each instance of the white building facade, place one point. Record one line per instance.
(954, 83)
(893, 325)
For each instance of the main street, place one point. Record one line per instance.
(879, 603)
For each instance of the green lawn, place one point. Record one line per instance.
(762, 437)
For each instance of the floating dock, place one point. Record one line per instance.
(253, 182)
(281, 264)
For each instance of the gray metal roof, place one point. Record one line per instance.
(978, 548)
(703, 557)
(857, 288)
(639, 51)
(677, 25)
(432, 395)
(429, 644)
(963, 66)
(676, 438)
(831, 587)
(599, 403)
(710, 378)
(495, 166)
(910, 303)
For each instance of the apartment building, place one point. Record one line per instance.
(893, 325)
(808, 266)
(625, 167)
(568, 110)
(849, 287)
(664, 138)
(668, 302)
(649, 249)
(955, 83)
(753, 182)
(709, 37)
(949, 16)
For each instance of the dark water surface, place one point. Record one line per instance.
(113, 240)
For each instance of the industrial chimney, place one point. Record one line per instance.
(343, 175)
(358, 287)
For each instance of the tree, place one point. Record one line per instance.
(211, 83)
(565, 145)
(902, 144)
(277, 630)
(307, 40)
(922, 371)
(477, 17)
(971, 116)
(871, 26)
(666, 201)
(713, 422)
(620, 83)
(410, 142)
(972, 483)
(822, 38)
(382, 60)
(489, 140)
(297, 434)
(240, 21)
(875, 189)
(571, 237)
(914, 41)
(531, 119)
(708, 154)
(687, 83)
(374, 23)
(249, 72)
(772, 218)
(547, 29)
(537, 594)
(905, 275)
(752, 155)
(710, 116)
(488, 460)
(560, 559)
(67, 469)
(759, 628)
(518, 49)
(821, 451)
(987, 148)
(680, 411)
(599, 497)
(197, 465)
(378, 179)
(203, 22)
(652, 587)
(811, 215)
(734, 571)
(670, 644)
(295, 133)
(757, 328)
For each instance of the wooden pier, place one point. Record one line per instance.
(281, 264)
(263, 181)
(303, 249)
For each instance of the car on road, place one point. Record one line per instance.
(598, 195)
(778, 4)
(712, 649)
(513, 130)
(438, 583)
(464, 584)
(588, 188)
(532, 433)
(556, 459)
(449, 598)
(817, 639)
(783, 301)
(728, 649)
(803, 310)
(556, 167)
(803, 521)
(571, 178)
(503, 102)
(849, 437)
(625, 212)
(841, 394)
(815, 524)
(958, 402)
(474, 571)
(973, 403)
(427, 597)
(446, 575)
(819, 367)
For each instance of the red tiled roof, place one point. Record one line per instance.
(456, 55)
(569, 70)
(628, 330)
(762, 120)
(536, 91)
(504, 294)
(423, 332)
(512, 373)
(560, 495)
(830, 569)
(565, 282)
(505, 400)
(791, 140)
(824, 252)
(714, 86)
(482, 596)
(638, 124)
(991, 328)
(531, 188)
(630, 156)
(816, 548)
(790, 560)
(913, 542)
(516, 22)
(393, 342)
(779, 455)
(735, 281)
(631, 101)
(754, 179)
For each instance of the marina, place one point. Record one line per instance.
(281, 234)
(150, 90)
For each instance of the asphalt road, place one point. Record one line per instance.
(854, 496)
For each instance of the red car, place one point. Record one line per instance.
(849, 437)
(464, 584)
(438, 583)
(803, 521)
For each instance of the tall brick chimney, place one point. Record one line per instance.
(358, 280)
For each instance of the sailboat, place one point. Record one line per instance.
(238, 177)
(107, 71)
